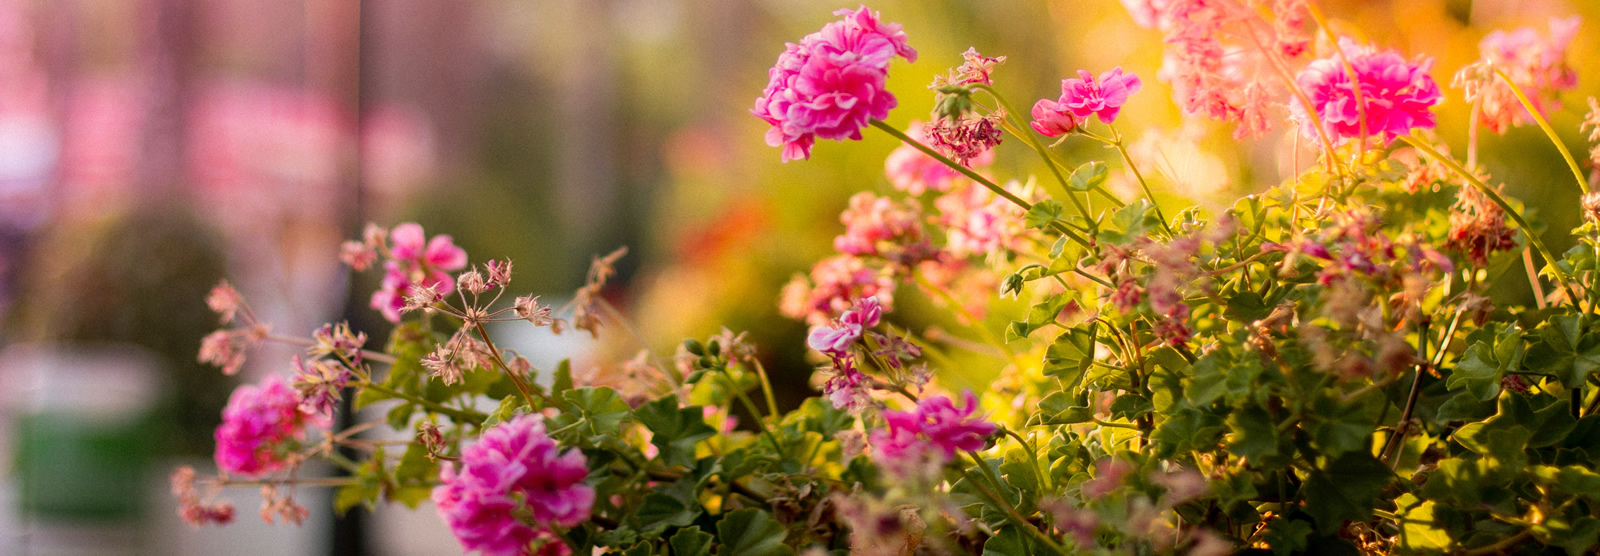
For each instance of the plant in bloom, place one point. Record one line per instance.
(1536, 63)
(1330, 363)
(1395, 96)
(832, 83)
(511, 485)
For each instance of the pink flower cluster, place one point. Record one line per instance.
(1537, 64)
(256, 423)
(929, 435)
(415, 260)
(832, 83)
(513, 475)
(1397, 95)
(879, 227)
(1082, 97)
(831, 286)
(978, 222)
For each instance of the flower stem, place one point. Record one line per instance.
(1489, 192)
(1116, 141)
(1577, 173)
(1001, 191)
(1016, 519)
(1016, 129)
(457, 414)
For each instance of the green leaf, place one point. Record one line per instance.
(562, 380)
(601, 408)
(1070, 356)
(659, 511)
(1253, 435)
(1061, 408)
(691, 541)
(1010, 541)
(1129, 223)
(505, 411)
(1346, 489)
(1185, 430)
(1087, 176)
(1287, 536)
(752, 532)
(674, 430)
(1247, 307)
(1040, 315)
(1043, 213)
(1478, 372)
(1131, 406)
(1464, 407)
(1419, 530)
(1209, 383)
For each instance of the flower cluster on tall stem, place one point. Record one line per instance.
(416, 270)
(1395, 96)
(831, 83)
(256, 424)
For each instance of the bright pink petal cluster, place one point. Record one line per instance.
(513, 475)
(936, 429)
(415, 260)
(255, 424)
(913, 171)
(1084, 96)
(1398, 95)
(832, 83)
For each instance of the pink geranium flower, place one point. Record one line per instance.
(935, 431)
(835, 340)
(511, 486)
(255, 423)
(415, 260)
(1536, 63)
(1085, 96)
(1398, 94)
(832, 83)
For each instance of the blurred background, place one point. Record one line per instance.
(149, 148)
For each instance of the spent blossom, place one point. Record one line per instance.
(256, 422)
(225, 301)
(1397, 95)
(512, 485)
(975, 69)
(831, 83)
(969, 138)
(913, 171)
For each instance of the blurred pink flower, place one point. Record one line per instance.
(831, 84)
(256, 421)
(1398, 95)
(833, 284)
(1537, 64)
(514, 473)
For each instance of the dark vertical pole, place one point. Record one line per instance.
(350, 530)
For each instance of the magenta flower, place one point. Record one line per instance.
(1085, 95)
(256, 421)
(1398, 94)
(936, 428)
(515, 473)
(832, 83)
(415, 260)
